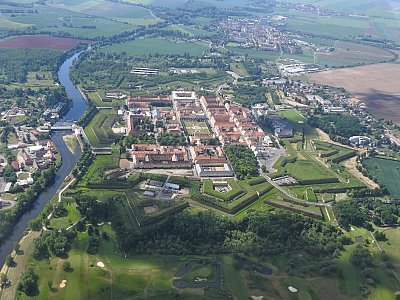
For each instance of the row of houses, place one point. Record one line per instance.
(233, 123)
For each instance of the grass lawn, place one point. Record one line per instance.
(387, 172)
(235, 191)
(70, 218)
(308, 170)
(99, 131)
(100, 164)
(299, 122)
(196, 127)
(157, 45)
(200, 271)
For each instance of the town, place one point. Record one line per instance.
(219, 149)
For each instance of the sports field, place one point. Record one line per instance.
(387, 172)
(156, 45)
(196, 127)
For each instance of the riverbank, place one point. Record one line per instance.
(21, 260)
(69, 161)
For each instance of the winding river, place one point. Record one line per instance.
(69, 160)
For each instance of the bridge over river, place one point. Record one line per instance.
(63, 126)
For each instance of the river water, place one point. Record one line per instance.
(69, 160)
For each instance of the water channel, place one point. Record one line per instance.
(69, 160)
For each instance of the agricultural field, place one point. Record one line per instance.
(348, 54)
(157, 45)
(63, 21)
(366, 84)
(337, 27)
(196, 127)
(191, 31)
(131, 14)
(40, 41)
(387, 172)
(345, 54)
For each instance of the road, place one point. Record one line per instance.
(290, 195)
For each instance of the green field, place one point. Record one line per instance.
(299, 122)
(196, 127)
(157, 45)
(387, 171)
(342, 26)
(59, 20)
(132, 14)
(190, 30)
(200, 270)
(99, 131)
(100, 165)
(235, 191)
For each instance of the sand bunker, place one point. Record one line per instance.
(63, 284)
(257, 297)
(100, 264)
(292, 289)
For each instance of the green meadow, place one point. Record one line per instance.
(147, 46)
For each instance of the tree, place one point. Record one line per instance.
(361, 257)
(380, 236)
(29, 282)
(388, 217)
(17, 247)
(67, 266)
(397, 295)
(348, 212)
(9, 261)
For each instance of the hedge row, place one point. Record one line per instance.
(154, 219)
(306, 213)
(317, 181)
(287, 160)
(330, 153)
(343, 157)
(255, 180)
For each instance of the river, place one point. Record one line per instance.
(69, 160)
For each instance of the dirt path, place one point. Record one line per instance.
(351, 166)
(323, 136)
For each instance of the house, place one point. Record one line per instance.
(15, 165)
(147, 156)
(4, 186)
(359, 140)
(210, 161)
(172, 186)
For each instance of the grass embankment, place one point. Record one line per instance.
(99, 131)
